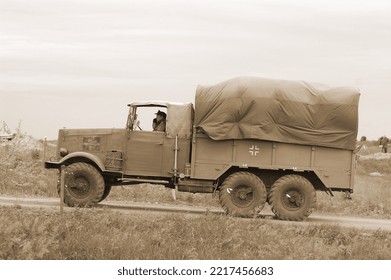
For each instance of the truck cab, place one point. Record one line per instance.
(94, 160)
(161, 154)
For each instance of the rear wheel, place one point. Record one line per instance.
(292, 197)
(242, 194)
(84, 185)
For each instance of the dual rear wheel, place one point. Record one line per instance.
(292, 197)
(242, 194)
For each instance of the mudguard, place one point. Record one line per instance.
(83, 155)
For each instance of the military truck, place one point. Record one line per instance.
(253, 140)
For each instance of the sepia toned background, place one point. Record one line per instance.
(78, 63)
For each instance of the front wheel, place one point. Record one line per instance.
(106, 192)
(84, 185)
(242, 194)
(292, 197)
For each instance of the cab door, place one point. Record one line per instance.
(145, 153)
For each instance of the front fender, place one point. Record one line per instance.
(76, 155)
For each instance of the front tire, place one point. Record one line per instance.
(84, 185)
(106, 192)
(292, 198)
(242, 194)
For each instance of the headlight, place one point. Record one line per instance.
(63, 152)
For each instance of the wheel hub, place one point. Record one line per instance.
(242, 195)
(293, 199)
(79, 186)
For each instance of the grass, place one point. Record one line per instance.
(21, 168)
(105, 234)
(371, 198)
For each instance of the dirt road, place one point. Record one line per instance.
(159, 209)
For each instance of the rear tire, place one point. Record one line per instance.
(242, 194)
(84, 185)
(292, 198)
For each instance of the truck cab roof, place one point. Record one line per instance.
(157, 104)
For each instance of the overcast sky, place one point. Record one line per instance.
(78, 63)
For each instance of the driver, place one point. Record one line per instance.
(160, 121)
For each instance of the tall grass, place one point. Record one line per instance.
(21, 167)
(371, 197)
(104, 234)
(372, 190)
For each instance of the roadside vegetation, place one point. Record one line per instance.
(21, 167)
(105, 234)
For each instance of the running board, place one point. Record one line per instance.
(137, 180)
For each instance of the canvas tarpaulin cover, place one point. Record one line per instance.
(294, 112)
(179, 120)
